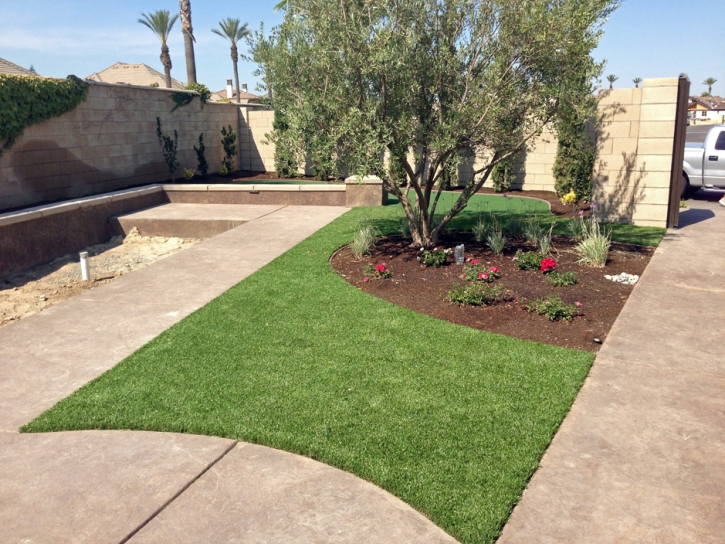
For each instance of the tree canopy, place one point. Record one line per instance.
(409, 89)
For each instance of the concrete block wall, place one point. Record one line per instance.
(256, 153)
(635, 140)
(107, 143)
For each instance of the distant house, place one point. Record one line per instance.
(7, 67)
(706, 108)
(229, 93)
(134, 74)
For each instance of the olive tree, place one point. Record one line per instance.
(408, 89)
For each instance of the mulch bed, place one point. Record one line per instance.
(423, 290)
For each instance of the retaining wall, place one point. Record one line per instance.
(107, 143)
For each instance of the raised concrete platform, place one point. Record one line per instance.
(190, 220)
(641, 455)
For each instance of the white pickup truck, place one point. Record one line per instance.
(704, 164)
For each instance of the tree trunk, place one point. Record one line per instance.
(235, 59)
(188, 31)
(166, 61)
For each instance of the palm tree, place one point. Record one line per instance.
(161, 22)
(710, 81)
(233, 30)
(637, 81)
(185, 10)
(611, 78)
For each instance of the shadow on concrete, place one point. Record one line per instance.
(692, 216)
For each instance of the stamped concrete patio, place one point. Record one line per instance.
(641, 455)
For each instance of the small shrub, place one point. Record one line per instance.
(474, 271)
(404, 228)
(203, 90)
(554, 308)
(561, 279)
(496, 241)
(378, 271)
(576, 228)
(434, 257)
(529, 260)
(594, 247)
(224, 170)
(478, 294)
(229, 138)
(533, 230)
(202, 166)
(503, 175)
(483, 227)
(548, 265)
(168, 148)
(188, 174)
(514, 228)
(363, 241)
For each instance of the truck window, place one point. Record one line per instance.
(720, 142)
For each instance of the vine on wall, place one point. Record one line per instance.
(25, 101)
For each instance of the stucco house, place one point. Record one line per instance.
(706, 108)
(7, 67)
(245, 97)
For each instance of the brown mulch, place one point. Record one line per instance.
(423, 290)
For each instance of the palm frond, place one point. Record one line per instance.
(160, 22)
(232, 30)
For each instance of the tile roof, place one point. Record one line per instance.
(714, 103)
(133, 74)
(7, 67)
(244, 96)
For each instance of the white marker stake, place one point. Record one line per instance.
(85, 269)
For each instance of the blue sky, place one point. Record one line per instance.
(644, 38)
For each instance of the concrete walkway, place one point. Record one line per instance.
(127, 486)
(641, 455)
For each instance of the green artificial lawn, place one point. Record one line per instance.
(280, 182)
(450, 419)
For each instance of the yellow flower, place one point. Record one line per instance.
(569, 198)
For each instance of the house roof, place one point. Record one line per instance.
(710, 103)
(244, 96)
(7, 67)
(133, 74)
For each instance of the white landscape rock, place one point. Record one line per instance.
(627, 279)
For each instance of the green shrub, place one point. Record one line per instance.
(478, 294)
(554, 308)
(229, 138)
(594, 247)
(203, 90)
(168, 148)
(474, 271)
(363, 241)
(188, 174)
(560, 279)
(503, 175)
(433, 257)
(201, 165)
(529, 260)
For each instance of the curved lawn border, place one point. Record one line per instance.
(451, 420)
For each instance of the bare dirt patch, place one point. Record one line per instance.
(423, 290)
(34, 290)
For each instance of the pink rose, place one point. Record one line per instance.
(494, 269)
(366, 280)
(474, 262)
(485, 276)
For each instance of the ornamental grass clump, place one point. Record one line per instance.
(478, 294)
(561, 279)
(475, 271)
(594, 247)
(554, 308)
(533, 230)
(496, 241)
(514, 228)
(484, 226)
(576, 227)
(363, 241)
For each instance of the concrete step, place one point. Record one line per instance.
(189, 220)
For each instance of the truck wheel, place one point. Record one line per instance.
(686, 189)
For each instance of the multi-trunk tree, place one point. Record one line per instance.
(409, 89)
